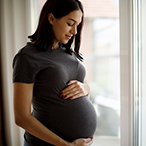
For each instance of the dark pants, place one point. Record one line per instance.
(25, 143)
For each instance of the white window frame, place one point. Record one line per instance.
(143, 109)
(139, 22)
(126, 72)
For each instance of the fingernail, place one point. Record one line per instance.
(64, 97)
(67, 83)
(71, 97)
(61, 96)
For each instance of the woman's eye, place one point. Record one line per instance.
(69, 24)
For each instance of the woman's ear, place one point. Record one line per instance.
(51, 18)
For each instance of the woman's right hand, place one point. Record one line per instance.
(82, 142)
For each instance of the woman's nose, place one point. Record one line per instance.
(74, 30)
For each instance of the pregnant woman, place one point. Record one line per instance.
(49, 75)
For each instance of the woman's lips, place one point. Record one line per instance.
(69, 37)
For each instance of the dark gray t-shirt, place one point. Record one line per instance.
(50, 72)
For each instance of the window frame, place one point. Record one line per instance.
(127, 72)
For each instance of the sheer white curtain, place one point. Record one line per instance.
(15, 27)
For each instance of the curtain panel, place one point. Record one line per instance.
(2, 138)
(1, 111)
(15, 26)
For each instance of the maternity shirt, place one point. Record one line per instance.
(50, 71)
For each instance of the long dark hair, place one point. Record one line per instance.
(43, 36)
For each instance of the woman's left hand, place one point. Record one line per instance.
(75, 90)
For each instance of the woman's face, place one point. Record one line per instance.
(65, 27)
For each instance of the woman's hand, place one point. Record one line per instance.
(74, 90)
(82, 142)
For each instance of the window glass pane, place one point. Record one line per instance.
(100, 49)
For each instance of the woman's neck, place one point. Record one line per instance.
(55, 45)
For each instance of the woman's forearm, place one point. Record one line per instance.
(34, 127)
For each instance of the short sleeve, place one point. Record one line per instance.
(25, 68)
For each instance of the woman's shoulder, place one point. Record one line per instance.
(29, 49)
(25, 65)
(27, 54)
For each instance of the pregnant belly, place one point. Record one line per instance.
(71, 120)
